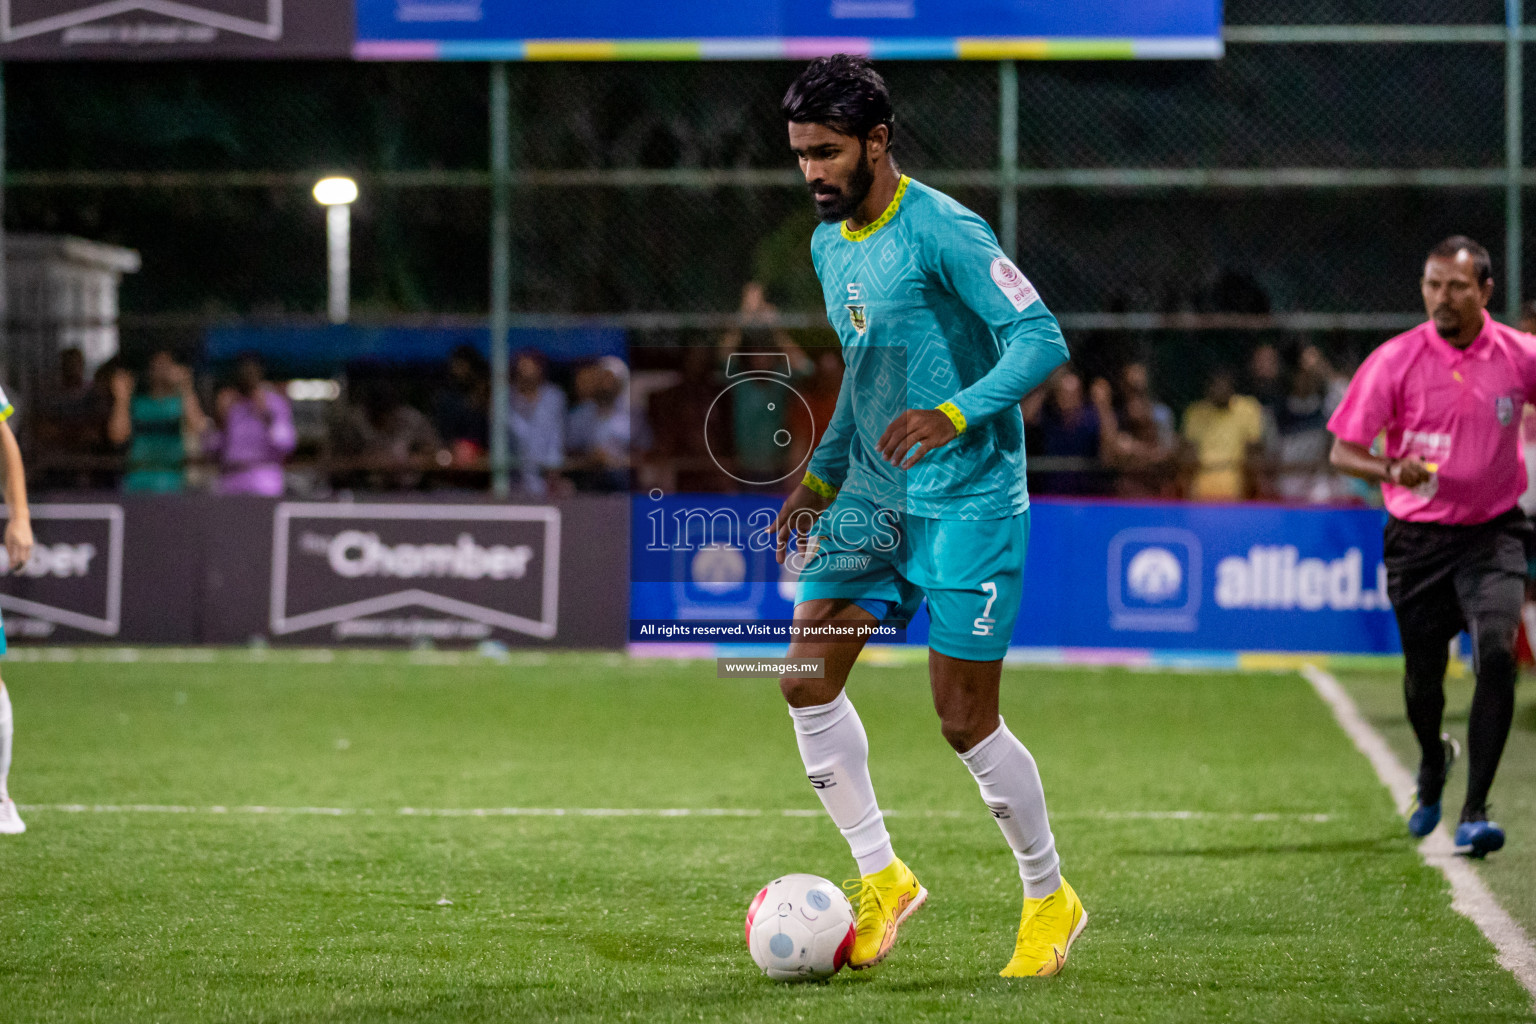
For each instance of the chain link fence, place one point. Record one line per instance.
(1180, 214)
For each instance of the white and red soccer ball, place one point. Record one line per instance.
(800, 928)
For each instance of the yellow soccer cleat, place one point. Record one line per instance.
(1046, 932)
(884, 900)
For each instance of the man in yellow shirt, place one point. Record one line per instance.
(1223, 427)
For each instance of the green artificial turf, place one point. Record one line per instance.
(1511, 872)
(193, 915)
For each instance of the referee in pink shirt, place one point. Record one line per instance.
(1447, 396)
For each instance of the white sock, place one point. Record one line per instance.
(835, 750)
(1010, 785)
(5, 739)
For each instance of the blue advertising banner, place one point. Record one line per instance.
(297, 350)
(771, 29)
(1100, 575)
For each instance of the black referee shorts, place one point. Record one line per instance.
(1441, 578)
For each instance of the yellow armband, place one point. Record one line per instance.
(820, 486)
(955, 416)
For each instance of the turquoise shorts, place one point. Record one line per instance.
(970, 571)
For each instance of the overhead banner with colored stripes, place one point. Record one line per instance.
(792, 29)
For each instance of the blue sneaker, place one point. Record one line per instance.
(1424, 817)
(1479, 838)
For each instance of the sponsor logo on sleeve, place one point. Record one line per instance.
(1013, 283)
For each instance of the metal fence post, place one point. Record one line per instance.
(1008, 157)
(501, 278)
(1514, 111)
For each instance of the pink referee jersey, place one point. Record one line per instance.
(1459, 410)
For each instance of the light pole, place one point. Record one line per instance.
(337, 196)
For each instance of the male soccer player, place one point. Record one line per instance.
(18, 548)
(1448, 396)
(916, 490)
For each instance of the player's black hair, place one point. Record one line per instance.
(843, 92)
(1482, 263)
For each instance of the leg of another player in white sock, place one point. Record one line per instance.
(5, 739)
(835, 750)
(1010, 785)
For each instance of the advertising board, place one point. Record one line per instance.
(407, 572)
(195, 569)
(1098, 575)
(175, 29)
(787, 29)
(73, 584)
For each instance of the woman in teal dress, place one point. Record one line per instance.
(156, 424)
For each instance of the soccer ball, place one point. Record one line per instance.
(800, 928)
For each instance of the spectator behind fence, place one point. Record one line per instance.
(598, 432)
(536, 422)
(1225, 429)
(462, 407)
(808, 420)
(156, 424)
(1266, 381)
(1068, 428)
(1266, 378)
(1528, 441)
(71, 428)
(1136, 387)
(679, 419)
(379, 442)
(1143, 453)
(253, 433)
(1528, 317)
(761, 358)
(1301, 423)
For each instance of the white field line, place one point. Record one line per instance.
(640, 812)
(1470, 897)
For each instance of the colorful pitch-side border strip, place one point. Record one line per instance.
(1000, 48)
(1134, 658)
(879, 655)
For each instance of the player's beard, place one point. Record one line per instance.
(840, 205)
(1447, 322)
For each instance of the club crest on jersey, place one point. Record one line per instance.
(1013, 284)
(856, 315)
(1505, 407)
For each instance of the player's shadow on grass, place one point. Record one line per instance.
(1378, 844)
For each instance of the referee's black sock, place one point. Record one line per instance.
(1424, 693)
(1493, 709)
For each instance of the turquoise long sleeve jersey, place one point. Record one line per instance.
(931, 315)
